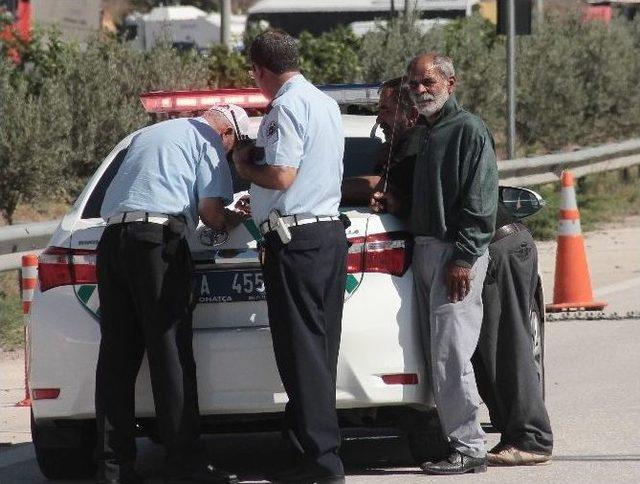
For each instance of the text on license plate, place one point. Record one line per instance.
(229, 286)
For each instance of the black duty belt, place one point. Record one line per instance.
(507, 230)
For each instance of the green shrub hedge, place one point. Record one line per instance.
(63, 107)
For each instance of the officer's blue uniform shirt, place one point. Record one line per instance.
(168, 169)
(302, 130)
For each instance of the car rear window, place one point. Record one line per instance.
(92, 208)
(360, 156)
(359, 159)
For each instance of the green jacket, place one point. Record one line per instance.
(455, 185)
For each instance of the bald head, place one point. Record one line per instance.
(432, 79)
(432, 59)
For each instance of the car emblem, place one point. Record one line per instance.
(213, 238)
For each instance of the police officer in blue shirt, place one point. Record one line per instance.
(295, 192)
(172, 173)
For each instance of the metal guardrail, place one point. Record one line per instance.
(547, 168)
(10, 262)
(519, 172)
(24, 237)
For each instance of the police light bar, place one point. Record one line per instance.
(247, 97)
(364, 94)
(188, 101)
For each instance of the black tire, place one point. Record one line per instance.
(426, 442)
(65, 453)
(536, 322)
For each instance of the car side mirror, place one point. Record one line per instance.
(520, 202)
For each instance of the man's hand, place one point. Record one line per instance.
(458, 282)
(384, 202)
(233, 218)
(242, 154)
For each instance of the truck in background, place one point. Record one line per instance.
(183, 26)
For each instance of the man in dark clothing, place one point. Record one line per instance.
(504, 364)
(397, 116)
(455, 194)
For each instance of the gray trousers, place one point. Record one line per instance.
(450, 333)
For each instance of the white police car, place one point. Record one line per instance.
(381, 375)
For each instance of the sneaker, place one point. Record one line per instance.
(508, 455)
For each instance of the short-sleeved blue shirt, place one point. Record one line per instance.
(169, 167)
(302, 130)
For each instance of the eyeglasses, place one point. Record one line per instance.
(427, 82)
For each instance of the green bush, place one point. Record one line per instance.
(104, 84)
(11, 322)
(227, 68)
(70, 106)
(578, 84)
(387, 50)
(33, 140)
(331, 58)
(63, 108)
(479, 58)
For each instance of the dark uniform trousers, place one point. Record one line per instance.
(504, 363)
(305, 283)
(145, 288)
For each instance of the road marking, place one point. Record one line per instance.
(621, 286)
(21, 453)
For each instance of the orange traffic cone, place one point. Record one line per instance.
(29, 282)
(572, 287)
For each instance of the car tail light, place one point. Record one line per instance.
(388, 253)
(45, 393)
(400, 379)
(189, 101)
(59, 266)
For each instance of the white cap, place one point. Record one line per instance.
(236, 116)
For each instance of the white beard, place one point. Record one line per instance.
(429, 105)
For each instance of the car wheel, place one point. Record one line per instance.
(65, 453)
(426, 442)
(537, 334)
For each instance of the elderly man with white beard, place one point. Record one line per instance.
(455, 196)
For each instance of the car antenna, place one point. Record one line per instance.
(385, 186)
(241, 137)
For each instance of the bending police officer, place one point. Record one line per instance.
(172, 172)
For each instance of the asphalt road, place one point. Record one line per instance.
(593, 397)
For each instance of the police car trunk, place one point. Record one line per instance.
(232, 344)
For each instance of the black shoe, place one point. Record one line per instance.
(304, 475)
(456, 463)
(123, 475)
(205, 474)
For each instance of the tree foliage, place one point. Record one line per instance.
(63, 107)
(331, 58)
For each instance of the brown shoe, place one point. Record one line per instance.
(508, 455)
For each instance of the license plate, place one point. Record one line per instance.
(229, 286)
